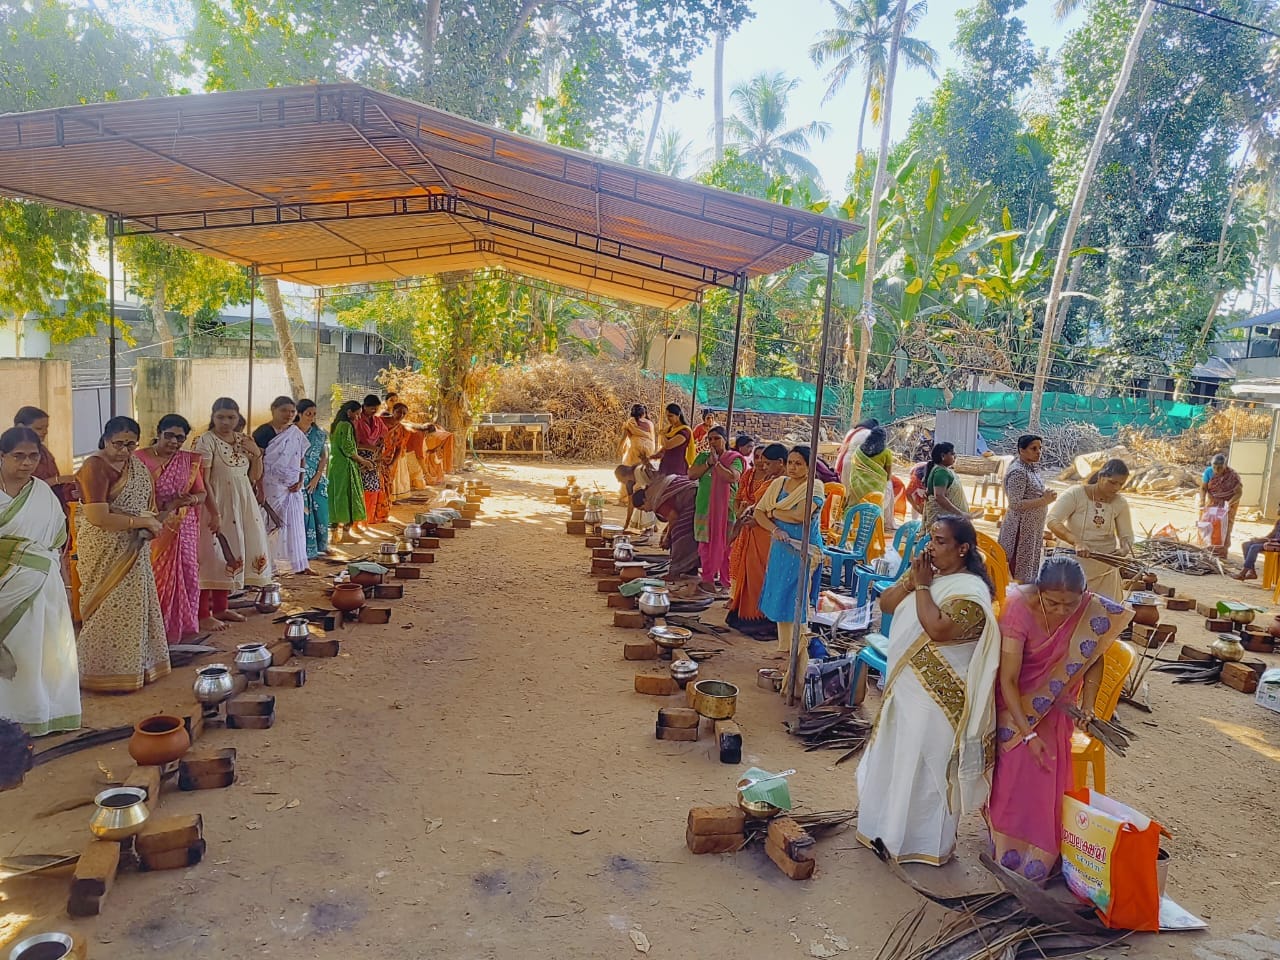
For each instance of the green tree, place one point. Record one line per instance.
(860, 41)
(55, 54)
(758, 128)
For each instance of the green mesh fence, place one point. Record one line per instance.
(997, 412)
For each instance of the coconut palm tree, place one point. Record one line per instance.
(672, 154)
(860, 40)
(758, 127)
(1048, 332)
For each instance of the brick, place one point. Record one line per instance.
(790, 837)
(629, 618)
(464, 523)
(1190, 652)
(169, 833)
(795, 869)
(601, 566)
(675, 733)
(617, 601)
(655, 684)
(147, 779)
(208, 770)
(1162, 590)
(602, 553)
(688, 694)
(405, 571)
(281, 652)
(1239, 677)
(678, 717)
(608, 585)
(729, 740)
(1179, 603)
(390, 591)
(594, 542)
(560, 492)
(251, 705)
(94, 875)
(286, 676)
(1219, 625)
(427, 543)
(446, 533)
(1153, 636)
(640, 650)
(178, 859)
(321, 647)
(713, 843)
(207, 781)
(710, 821)
(1206, 610)
(252, 723)
(576, 527)
(631, 571)
(370, 614)
(194, 725)
(422, 557)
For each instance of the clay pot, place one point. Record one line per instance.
(348, 597)
(367, 578)
(158, 740)
(1274, 629)
(1147, 614)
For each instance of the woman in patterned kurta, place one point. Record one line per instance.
(122, 643)
(371, 430)
(1022, 532)
(315, 487)
(175, 554)
(233, 540)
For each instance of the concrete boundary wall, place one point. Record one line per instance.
(45, 384)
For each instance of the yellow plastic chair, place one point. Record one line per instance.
(1086, 751)
(877, 546)
(1271, 572)
(997, 566)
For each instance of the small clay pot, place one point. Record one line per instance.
(158, 740)
(348, 597)
(1147, 614)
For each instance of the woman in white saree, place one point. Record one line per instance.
(39, 675)
(931, 752)
(284, 503)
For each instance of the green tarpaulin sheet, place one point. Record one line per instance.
(998, 413)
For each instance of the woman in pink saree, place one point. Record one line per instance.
(717, 472)
(1054, 634)
(175, 553)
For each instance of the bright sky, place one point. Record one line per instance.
(779, 38)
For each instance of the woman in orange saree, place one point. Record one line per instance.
(175, 553)
(437, 457)
(394, 445)
(749, 555)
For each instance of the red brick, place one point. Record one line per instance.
(705, 821)
(286, 676)
(795, 869)
(170, 833)
(178, 859)
(790, 837)
(675, 733)
(655, 684)
(640, 650)
(713, 843)
(678, 717)
(633, 619)
(608, 585)
(617, 601)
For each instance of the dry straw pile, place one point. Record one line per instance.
(588, 400)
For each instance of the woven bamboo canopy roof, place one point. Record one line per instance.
(333, 184)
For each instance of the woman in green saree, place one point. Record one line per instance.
(346, 492)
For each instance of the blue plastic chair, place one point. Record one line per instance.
(906, 542)
(845, 555)
(873, 657)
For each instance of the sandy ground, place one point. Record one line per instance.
(479, 780)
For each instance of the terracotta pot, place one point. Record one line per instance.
(348, 597)
(367, 578)
(1147, 614)
(158, 740)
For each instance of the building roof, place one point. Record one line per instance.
(338, 183)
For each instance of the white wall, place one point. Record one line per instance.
(45, 384)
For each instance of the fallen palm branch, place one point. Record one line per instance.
(1173, 554)
(831, 727)
(1110, 733)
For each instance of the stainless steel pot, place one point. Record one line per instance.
(387, 549)
(213, 684)
(268, 598)
(593, 515)
(654, 601)
(297, 630)
(252, 657)
(623, 551)
(43, 946)
(669, 638)
(682, 671)
(413, 531)
(121, 813)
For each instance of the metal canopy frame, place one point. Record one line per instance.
(337, 183)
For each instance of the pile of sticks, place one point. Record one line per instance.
(1173, 554)
(831, 727)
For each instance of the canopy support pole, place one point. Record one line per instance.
(315, 386)
(737, 343)
(111, 306)
(802, 587)
(697, 358)
(253, 294)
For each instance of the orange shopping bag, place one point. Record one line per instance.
(1109, 854)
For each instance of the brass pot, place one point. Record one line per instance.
(715, 699)
(121, 813)
(1227, 647)
(756, 809)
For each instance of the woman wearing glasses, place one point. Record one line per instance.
(175, 553)
(122, 643)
